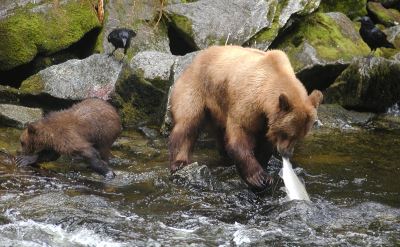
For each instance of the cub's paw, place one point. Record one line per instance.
(177, 165)
(25, 160)
(259, 180)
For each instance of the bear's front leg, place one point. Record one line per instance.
(240, 146)
(91, 155)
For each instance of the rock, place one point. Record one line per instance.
(332, 116)
(142, 89)
(281, 12)
(179, 66)
(393, 35)
(18, 116)
(76, 79)
(207, 22)
(195, 176)
(41, 27)
(8, 94)
(141, 16)
(351, 8)
(387, 17)
(321, 46)
(369, 84)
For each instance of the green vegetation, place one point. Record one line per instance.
(26, 33)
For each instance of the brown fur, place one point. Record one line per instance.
(253, 96)
(87, 129)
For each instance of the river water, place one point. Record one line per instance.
(353, 179)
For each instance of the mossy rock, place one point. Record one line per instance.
(368, 84)
(351, 8)
(43, 28)
(387, 17)
(323, 40)
(280, 12)
(18, 116)
(144, 18)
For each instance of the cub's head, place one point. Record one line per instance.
(292, 121)
(29, 139)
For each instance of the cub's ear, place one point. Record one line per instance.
(284, 104)
(31, 129)
(316, 98)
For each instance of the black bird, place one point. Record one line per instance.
(121, 38)
(374, 37)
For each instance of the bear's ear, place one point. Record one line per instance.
(284, 104)
(31, 129)
(316, 98)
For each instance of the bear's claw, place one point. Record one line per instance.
(260, 180)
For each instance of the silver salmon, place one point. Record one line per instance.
(294, 188)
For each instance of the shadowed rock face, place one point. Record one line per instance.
(369, 84)
(76, 79)
(18, 116)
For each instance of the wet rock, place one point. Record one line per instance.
(195, 176)
(351, 8)
(41, 27)
(369, 84)
(321, 46)
(386, 122)
(207, 22)
(334, 116)
(76, 79)
(18, 116)
(393, 35)
(141, 16)
(387, 17)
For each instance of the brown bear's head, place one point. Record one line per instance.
(292, 121)
(29, 140)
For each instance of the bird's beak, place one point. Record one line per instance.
(357, 19)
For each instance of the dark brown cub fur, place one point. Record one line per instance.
(87, 130)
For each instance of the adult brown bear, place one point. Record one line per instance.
(252, 98)
(87, 129)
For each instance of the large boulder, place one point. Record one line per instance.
(76, 79)
(321, 46)
(281, 12)
(208, 22)
(18, 116)
(142, 89)
(387, 17)
(143, 18)
(351, 8)
(28, 28)
(369, 84)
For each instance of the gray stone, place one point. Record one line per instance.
(369, 84)
(332, 116)
(209, 22)
(18, 116)
(76, 79)
(139, 16)
(195, 176)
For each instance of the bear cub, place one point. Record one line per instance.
(253, 101)
(87, 130)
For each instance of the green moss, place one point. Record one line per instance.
(351, 8)
(326, 37)
(388, 17)
(32, 85)
(26, 33)
(267, 35)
